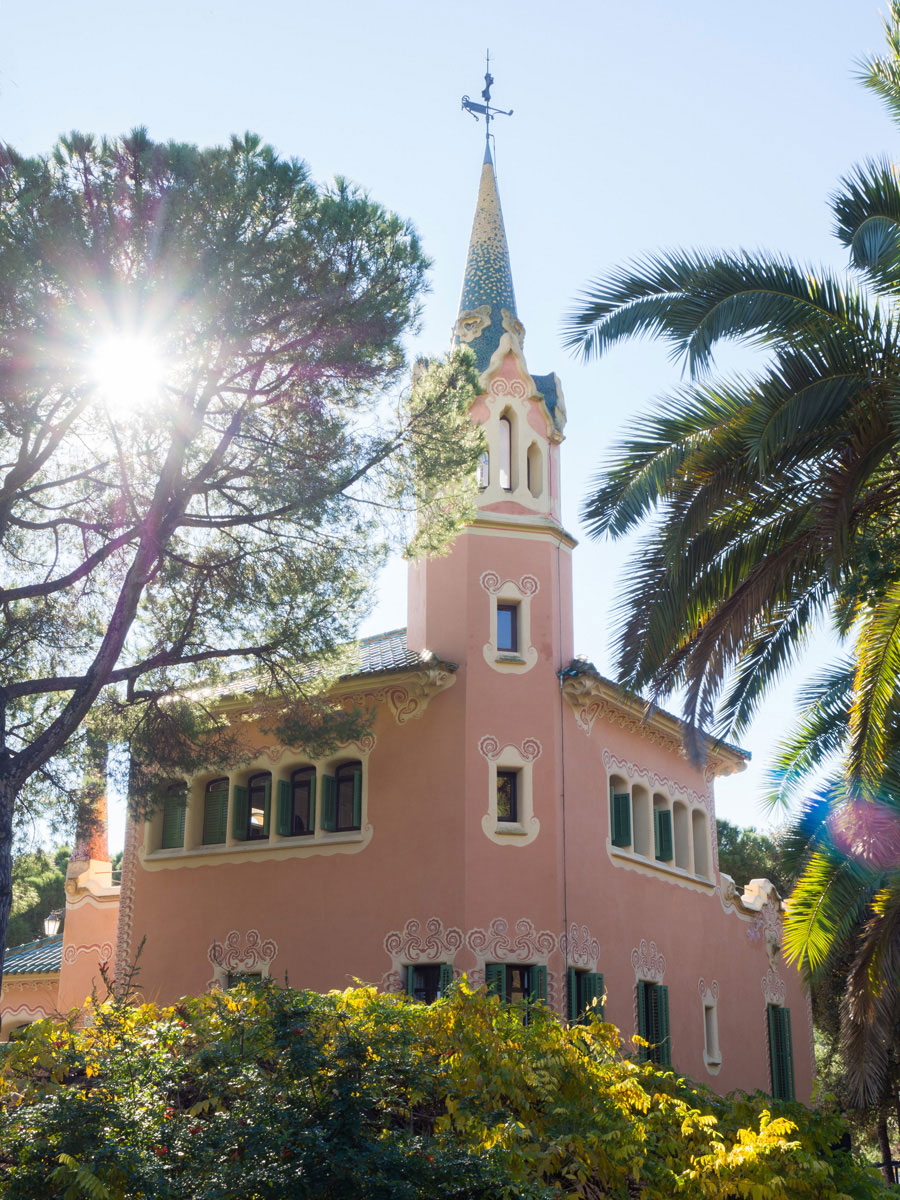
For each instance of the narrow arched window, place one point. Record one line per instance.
(215, 812)
(535, 470)
(348, 800)
(484, 470)
(506, 454)
(259, 789)
(302, 816)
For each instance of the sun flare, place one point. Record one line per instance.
(127, 370)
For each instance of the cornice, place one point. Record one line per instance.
(591, 696)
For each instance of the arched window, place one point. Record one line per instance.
(215, 812)
(342, 801)
(700, 831)
(535, 468)
(259, 789)
(506, 449)
(173, 814)
(484, 470)
(301, 820)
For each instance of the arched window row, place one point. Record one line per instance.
(653, 826)
(305, 802)
(511, 462)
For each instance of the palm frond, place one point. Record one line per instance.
(827, 903)
(867, 220)
(875, 691)
(881, 73)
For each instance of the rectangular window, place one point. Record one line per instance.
(523, 983)
(174, 810)
(584, 992)
(507, 795)
(711, 1033)
(620, 817)
(215, 812)
(508, 627)
(237, 977)
(653, 1022)
(427, 982)
(781, 1052)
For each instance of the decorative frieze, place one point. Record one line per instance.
(249, 954)
(648, 962)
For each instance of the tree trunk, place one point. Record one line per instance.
(884, 1144)
(7, 805)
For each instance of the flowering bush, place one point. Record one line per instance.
(266, 1093)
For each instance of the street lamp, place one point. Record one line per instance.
(52, 922)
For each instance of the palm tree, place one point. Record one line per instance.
(766, 501)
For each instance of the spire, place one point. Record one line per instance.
(487, 305)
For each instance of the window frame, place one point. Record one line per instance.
(511, 776)
(439, 974)
(211, 788)
(292, 785)
(582, 989)
(508, 645)
(781, 1052)
(653, 1022)
(258, 832)
(176, 798)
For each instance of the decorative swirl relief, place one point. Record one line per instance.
(438, 944)
(508, 387)
(496, 943)
(489, 747)
(713, 988)
(528, 585)
(471, 323)
(774, 988)
(648, 962)
(231, 958)
(579, 948)
(103, 949)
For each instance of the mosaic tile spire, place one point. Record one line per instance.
(487, 305)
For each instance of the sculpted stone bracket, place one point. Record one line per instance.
(408, 699)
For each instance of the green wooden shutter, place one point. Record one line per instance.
(539, 983)
(591, 990)
(410, 981)
(621, 819)
(781, 1056)
(662, 833)
(643, 1018)
(357, 799)
(572, 1006)
(240, 813)
(329, 802)
(283, 821)
(267, 807)
(445, 977)
(664, 1053)
(173, 823)
(215, 816)
(312, 805)
(495, 978)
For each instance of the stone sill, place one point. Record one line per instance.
(628, 857)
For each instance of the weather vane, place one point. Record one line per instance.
(485, 110)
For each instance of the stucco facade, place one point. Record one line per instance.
(474, 828)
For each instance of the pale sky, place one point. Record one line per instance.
(638, 125)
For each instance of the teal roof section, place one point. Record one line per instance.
(34, 958)
(487, 282)
(546, 385)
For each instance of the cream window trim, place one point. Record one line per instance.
(520, 593)
(521, 760)
(712, 1050)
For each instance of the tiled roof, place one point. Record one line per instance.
(385, 652)
(34, 958)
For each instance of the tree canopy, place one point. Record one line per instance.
(205, 449)
(266, 1093)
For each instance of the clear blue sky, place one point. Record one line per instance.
(638, 124)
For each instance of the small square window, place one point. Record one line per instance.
(507, 795)
(508, 628)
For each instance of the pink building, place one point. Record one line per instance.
(512, 815)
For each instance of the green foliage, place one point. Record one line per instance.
(746, 854)
(39, 887)
(269, 1093)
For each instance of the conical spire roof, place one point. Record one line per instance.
(487, 305)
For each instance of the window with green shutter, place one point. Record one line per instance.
(653, 1022)
(428, 981)
(173, 817)
(215, 812)
(517, 983)
(584, 993)
(781, 1052)
(620, 817)
(348, 797)
(662, 834)
(495, 978)
(296, 815)
(329, 803)
(258, 805)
